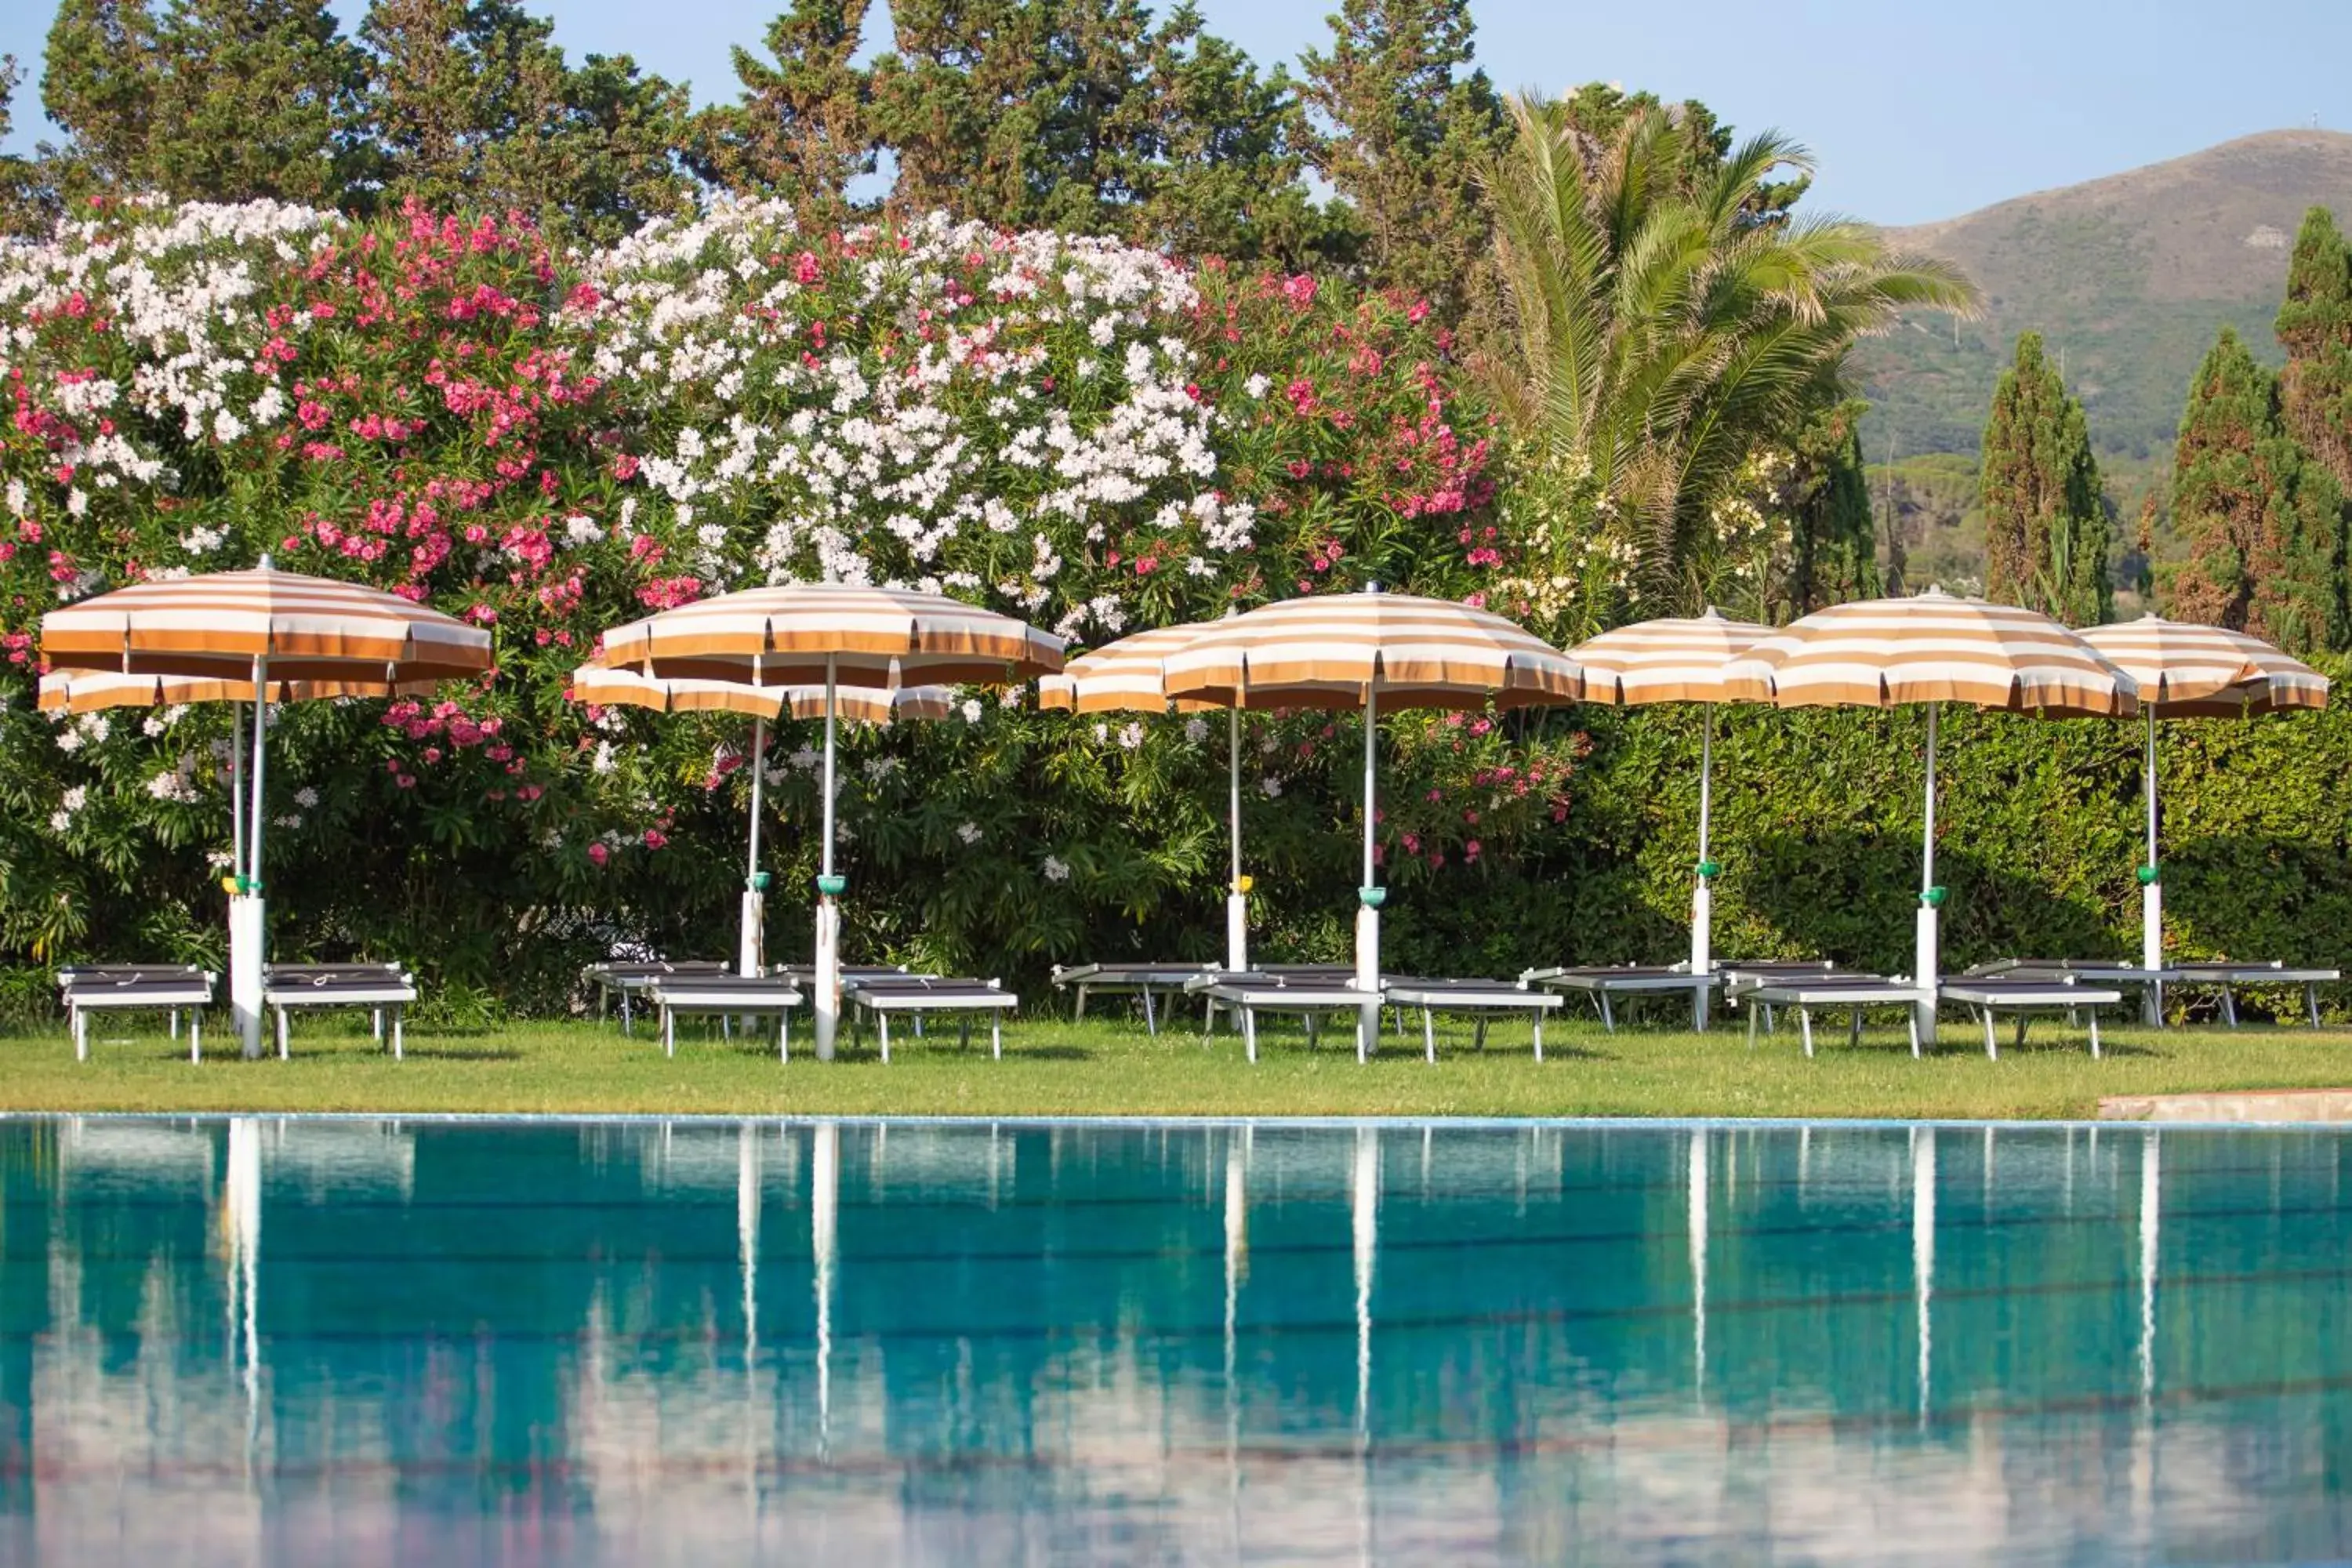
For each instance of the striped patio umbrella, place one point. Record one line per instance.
(1131, 675)
(256, 637)
(1677, 659)
(2187, 671)
(1339, 650)
(837, 633)
(1931, 648)
(595, 686)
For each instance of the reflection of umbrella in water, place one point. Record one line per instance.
(1369, 648)
(1699, 1229)
(241, 1197)
(824, 1209)
(1923, 1252)
(259, 636)
(1677, 659)
(2187, 672)
(1932, 649)
(599, 686)
(839, 634)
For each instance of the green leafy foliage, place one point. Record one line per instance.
(2045, 514)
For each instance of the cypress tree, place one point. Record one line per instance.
(2045, 518)
(802, 129)
(2314, 325)
(2258, 513)
(1835, 547)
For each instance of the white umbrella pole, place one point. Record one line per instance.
(1702, 959)
(2151, 880)
(1236, 902)
(236, 790)
(751, 955)
(828, 910)
(1926, 973)
(1369, 896)
(247, 923)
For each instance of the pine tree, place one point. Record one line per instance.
(2046, 524)
(474, 105)
(801, 130)
(212, 99)
(27, 200)
(1835, 547)
(1402, 122)
(2258, 514)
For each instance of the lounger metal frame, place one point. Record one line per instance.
(1482, 997)
(381, 988)
(1272, 991)
(915, 994)
(1126, 979)
(728, 997)
(628, 978)
(2018, 997)
(171, 988)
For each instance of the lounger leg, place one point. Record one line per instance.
(882, 1021)
(996, 1035)
(1080, 1014)
(1150, 1020)
(1428, 1036)
(784, 1036)
(1398, 1013)
(2311, 1004)
(175, 1022)
(2021, 1027)
(195, 1034)
(81, 1035)
(1314, 1034)
(626, 1010)
(669, 1033)
(1539, 1035)
(725, 1026)
(963, 1033)
(1854, 1032)
(1365, 1036)
(2230, 1007)
(1992, 1047)
(398, 1052)
(282, 1035)
(1805, 1022)
(918, 1026)
(1608, 1014)
(1751, 1025)
(1249, 1031)
(1913, 1013)
(1479, 1039)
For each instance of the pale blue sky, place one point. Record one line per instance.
(1917, 111)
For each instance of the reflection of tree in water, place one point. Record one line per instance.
(535, 1338)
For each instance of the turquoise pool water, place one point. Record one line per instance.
(309, 1340)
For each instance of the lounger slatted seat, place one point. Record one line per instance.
(1806, 992)
(631, 978)
(1309, 991)
(1603, 982)
(380, 988)
(2150, 982)
(2019, 995)
(172, 988)
(914, 996)
(726, 996)
(1481, 997)
(1126, 979)
(2227, 977)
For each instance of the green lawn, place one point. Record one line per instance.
(1111, 1067)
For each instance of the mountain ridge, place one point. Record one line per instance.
(2128, 275)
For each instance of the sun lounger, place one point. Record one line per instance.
(1310, 992)
(2151, 983)
(915, 994)
(1480, 997)
(728, 996)
(1603, 982)
(631, 978)
(381, 988)
(2226, 977)
(1818, 989)
(136, 987)
(1127, 980)
(2019, 995)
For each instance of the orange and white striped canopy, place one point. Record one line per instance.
(2184, 670)
(87, 691)
(785, 634)
(1882, 653)
(1677, 659)
(1129, 675)
(1326, 651)
(600, 687)
(309, 628)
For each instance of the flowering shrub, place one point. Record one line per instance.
(1085, 435)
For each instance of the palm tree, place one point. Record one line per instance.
(1669, 323)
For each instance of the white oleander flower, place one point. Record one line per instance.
(1057, 870)
(1271, 785)
(1196, 730)
(306, 797)
(969, 833)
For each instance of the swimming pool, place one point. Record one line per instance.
(629, 1341)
